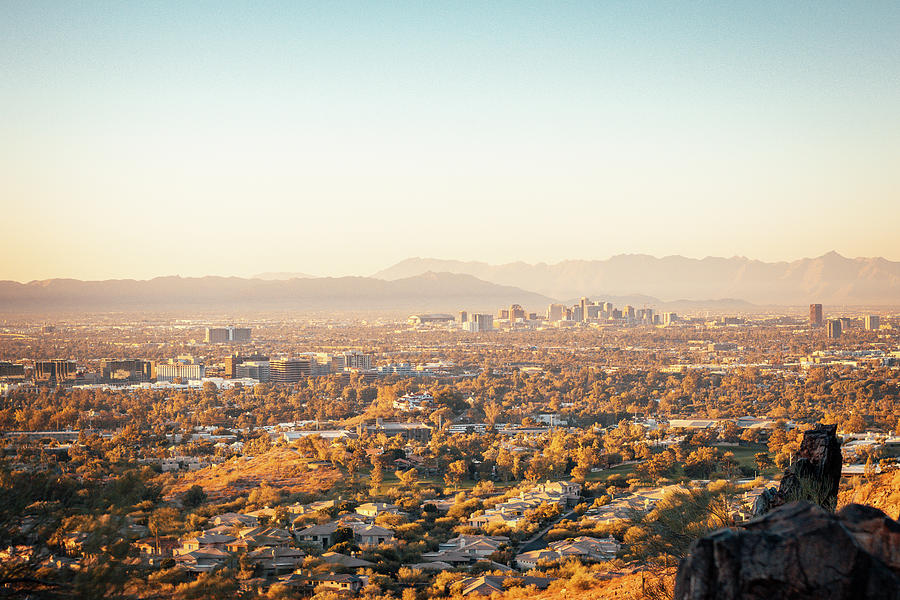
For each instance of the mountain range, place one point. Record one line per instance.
(423, 292)
(428, 284)
(831, 278)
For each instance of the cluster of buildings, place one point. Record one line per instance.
(183, 369)
(513, 511)
(279, 553)
(229, 334)
(559, 315)
(835, 327)
(582, 547)
(587, 311)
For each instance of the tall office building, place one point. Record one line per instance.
(354, 359)
(216, 335)
(516, 312)
(628, 312)
(480, 322)
(815, 314)
(577, 315)
(584, 303)
(172, 371)
(608, 307)
(254, 369)
(12, 370)
(834, 329)
(873, 322)
(503, 313)
(555, 312)
(291, 370)
(240, 334)
(463, 316)
(669, 318)
(54, 371)
(221, 335)
(131, 370)
(231, 364)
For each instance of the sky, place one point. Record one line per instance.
(142, 139)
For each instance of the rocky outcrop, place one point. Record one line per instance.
(798, 550)
(814, 475)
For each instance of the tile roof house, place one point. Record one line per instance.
(488, 584)
(343, 560)
(235, 520)
(373, 509)
(275, 560)
(529, 560)
(372, 535)
(206, 541)
(323, 534)
(201, 561)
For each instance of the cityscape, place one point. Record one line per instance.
(449, 300)
(440, 454)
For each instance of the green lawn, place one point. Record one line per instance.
(624, 470)
(745, 455)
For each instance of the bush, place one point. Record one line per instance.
(194, 497)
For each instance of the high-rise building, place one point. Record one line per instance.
(11, 370)
(608, 307)
(583, 304)
(254, 369)
(503, 313)
(221, 335)
(54, 371)
(480, 322)
(628, 312)
(463, 316)
(669, 318)
(354, 359)
(130, 370)
(516, 312)
(834, 328)
(594, 311)
(577, 315)
(815, 314)
(556, 312)
(240, 334)
(291, 370)
(216, 335)
(172, 371)
(873, 322)
(231, 364)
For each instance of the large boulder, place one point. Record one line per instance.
(798, 550)
(814, 474)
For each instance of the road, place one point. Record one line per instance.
(536, 542)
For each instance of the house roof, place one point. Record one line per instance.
(322, 529)
(213, 538)
(344, 560)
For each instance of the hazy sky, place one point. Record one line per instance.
(153, 138)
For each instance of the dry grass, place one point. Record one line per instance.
(882, 492)
(280, 468)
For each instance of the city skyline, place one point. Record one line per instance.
(215, 139)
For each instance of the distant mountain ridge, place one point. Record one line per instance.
(830, 279)
(425, 292)
(281, 275)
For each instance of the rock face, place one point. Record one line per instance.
(797, 551)
(815, 474)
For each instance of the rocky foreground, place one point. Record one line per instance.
(797, 551)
